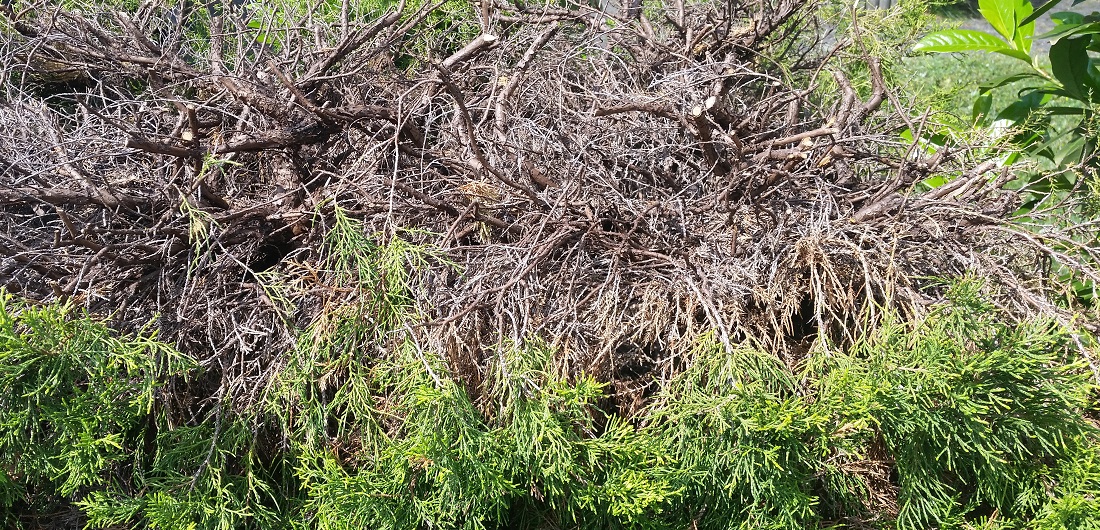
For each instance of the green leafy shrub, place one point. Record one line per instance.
(1064, 162)
(1067, 87)
(969, 414)
(209, 476)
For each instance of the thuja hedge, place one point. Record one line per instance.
(957, 420)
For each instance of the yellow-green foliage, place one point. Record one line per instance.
(76, 398)
(958, 420)
(540, 459)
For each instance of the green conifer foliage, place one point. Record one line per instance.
(976, 413)
(959, 419)
(75, 405)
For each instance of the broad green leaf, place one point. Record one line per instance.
(1058, 92)
(1067, 17)
(1015, 54)
(1088, 152)
(1027, 140)
(982, 105)
(935, 181)
(968, 40)
(929, 142)
(1018, 113)
(1065, 111)
(1021, 37)
(1084, 290)
(1063, 182)
(1042, 151)
(1020, 109)
(1001, 14)
(1067, 30)
(959, 40)
(1009, 80)
(1069, 62)
(1069, 152)
(1039, 12)
(1046, 184)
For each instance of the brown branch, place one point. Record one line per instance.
(517, 76)
(297, 93)
(471, 138)
(482, 43)
(655, 108)
(445, 207)
(375, 112)
(702, 127)
(349, 44)
(795, 138)
(60, 197)
(310, 133)
(150, 146)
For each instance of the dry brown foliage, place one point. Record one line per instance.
(614, 185)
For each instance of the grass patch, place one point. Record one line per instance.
(948, 83)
